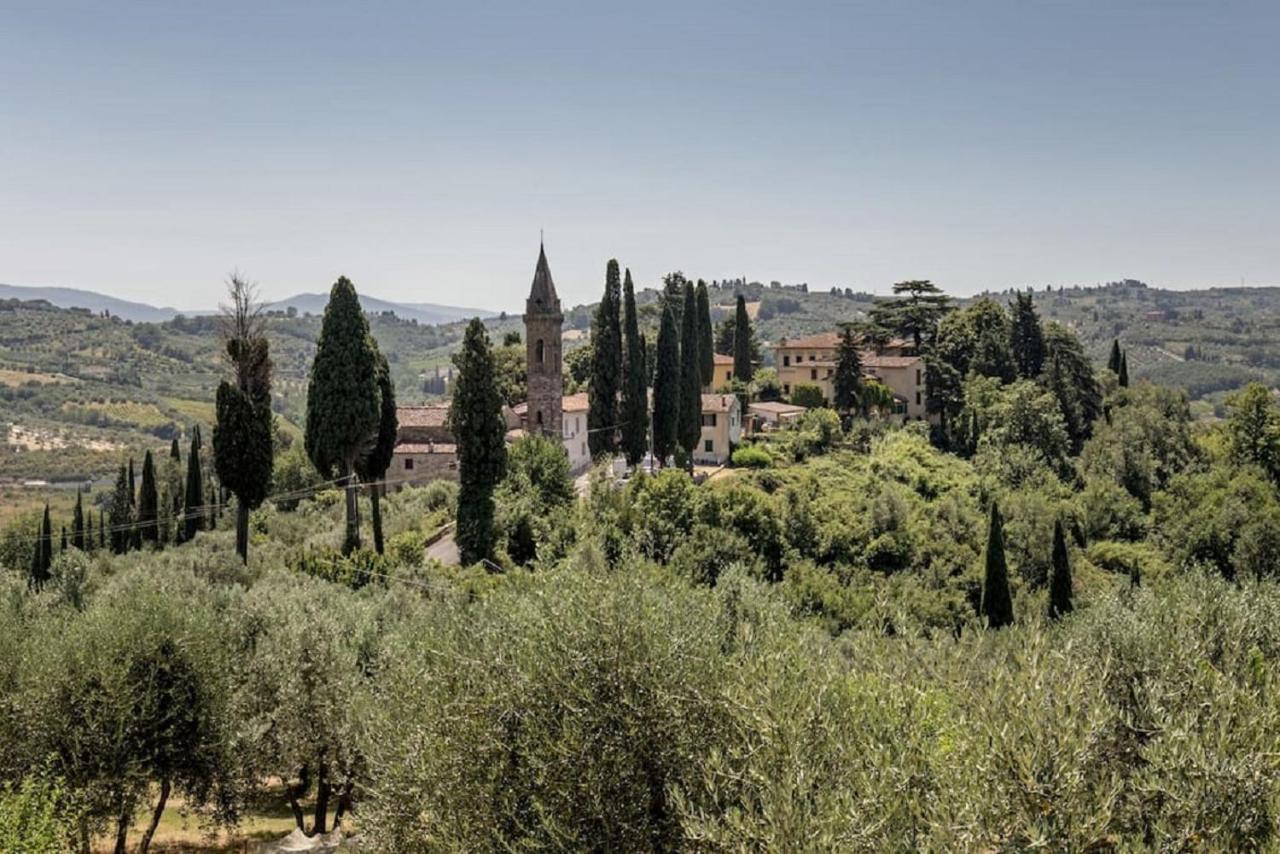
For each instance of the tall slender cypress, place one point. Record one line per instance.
(997, 601)
(706, 337)
(1060, 575)
(1124, 370)
(606, 367)
(635, 401)
(42, 557)
(342, 396)
(175, 453)
(193, 503)
(666, 387)
(373, 468)
(689, 421)
(475, 418)
(121, 514)
(89, 542)
(148, 503)
(1026, 336)
(77, 522)
(1113, 362)
(62, 545)
(102, 529)
(743, 369)
(135, 533)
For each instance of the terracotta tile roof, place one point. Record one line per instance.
(717, 402)
(811, 342)
(425, 448)
(872, 361)
(517, 433)
(434, 415)
(721, 359)
(575, 402)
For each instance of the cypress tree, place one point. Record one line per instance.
(175, 453)
(242, 436)
(342, 396)
(193, 501)
(666, 387)
(997, 601)
(1113, 362)
(673, 296)
(121, 517)
(89, 542)
(1060, 577)
(1124, 370)
(1026, 336)
(148, 503)
(606, 367)
(42, 557)
(77, 523)
(373, 468)
(635, 401)
(743, 369)
(135, 533)
(848, 376)
(102, 528)
(706, 341)
(62, 546)
(689, 420)
(475, 418)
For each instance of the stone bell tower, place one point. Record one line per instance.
(542, 322)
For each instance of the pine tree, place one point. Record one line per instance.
(42, 556)
(997, 601)
(689, 420)
(666, 387)
(342, 396)
(743, 369)
(77, 523)
(475, 418)
(193, 501)
(148, 503)
(373, 468)
(121, 515)
(1124, 370)
(848, 376)
(606, 367)
(706, 346)
(1060, 577)
(242, 435)
(1026, 336)
(1113, 362)
(635, 402)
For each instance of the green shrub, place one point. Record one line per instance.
(752, 457)
(33, 816)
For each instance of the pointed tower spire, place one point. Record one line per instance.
(542, 294)
(542, 323)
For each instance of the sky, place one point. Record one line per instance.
(149, 149)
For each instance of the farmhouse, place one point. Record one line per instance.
(812, 361)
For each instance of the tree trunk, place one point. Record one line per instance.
(242, 531)
(344, 805)
(122, 832)
(323, 789)
(352, 540)
(295, 794)
(145, 845)
(375, 513)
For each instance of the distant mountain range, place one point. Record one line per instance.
(140, 312)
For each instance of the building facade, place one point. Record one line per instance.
(425, 448)
(812, 361)
(721, 428)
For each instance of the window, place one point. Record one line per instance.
(728, 376)
(538, 415)
(786, 361)
(786, 388)
(917, 398)
(540, 354)
(917, 376)
(709, 446)
(408, 463)
(811, 357)
(708, 419)
(813, 373)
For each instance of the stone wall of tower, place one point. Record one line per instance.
(546, 380)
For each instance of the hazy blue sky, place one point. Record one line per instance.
(148, 149)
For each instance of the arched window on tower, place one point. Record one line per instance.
(537, 416)
(539, 351)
